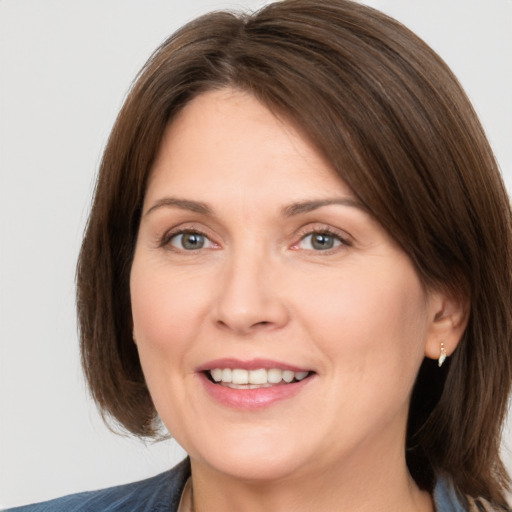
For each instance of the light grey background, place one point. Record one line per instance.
(65, 67)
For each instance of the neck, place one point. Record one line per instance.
(352, 488)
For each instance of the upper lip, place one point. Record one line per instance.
(252, 364)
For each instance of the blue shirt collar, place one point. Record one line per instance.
(446, 497)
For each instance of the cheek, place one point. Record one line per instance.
(166, 305)
(372, 329)
(374, 317)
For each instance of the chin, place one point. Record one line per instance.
(262, 469)
(259, 461)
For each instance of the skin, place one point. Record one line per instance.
(356, 315)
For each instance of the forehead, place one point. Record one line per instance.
(228, 140)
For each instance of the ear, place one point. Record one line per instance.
(449, 316)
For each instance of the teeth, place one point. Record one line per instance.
(239, 378)
(258, 376)
(288, 376)
(274, 376)
(216, 374)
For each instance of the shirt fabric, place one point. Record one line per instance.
(162, 493)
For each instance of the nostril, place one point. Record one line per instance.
(263, 324)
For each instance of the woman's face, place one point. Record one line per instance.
(254, 261)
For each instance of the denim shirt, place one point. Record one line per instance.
(162, 493)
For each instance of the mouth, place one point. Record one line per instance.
(254, 384)
(240, 378)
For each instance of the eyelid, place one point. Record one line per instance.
(308, 230)
(165, 240)
(345, 239)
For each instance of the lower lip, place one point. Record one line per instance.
(247, 399)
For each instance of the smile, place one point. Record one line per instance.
(239, 378)
(254, 384)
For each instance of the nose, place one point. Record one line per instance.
(250, 298)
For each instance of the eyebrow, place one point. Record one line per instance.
(183, 204)
(287, 211)
(308, 206)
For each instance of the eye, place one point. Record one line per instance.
(189, 241)
(321, 241)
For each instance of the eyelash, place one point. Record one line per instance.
(327, 231)
(168, 237)
(343, 241)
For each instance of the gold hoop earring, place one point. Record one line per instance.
(442, 356)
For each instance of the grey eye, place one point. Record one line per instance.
(189, 241)
(320, 241)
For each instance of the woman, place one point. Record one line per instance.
(298, 258)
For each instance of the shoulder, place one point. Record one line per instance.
(447, 499)
(160, 493)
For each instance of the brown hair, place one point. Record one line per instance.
(394, 122)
